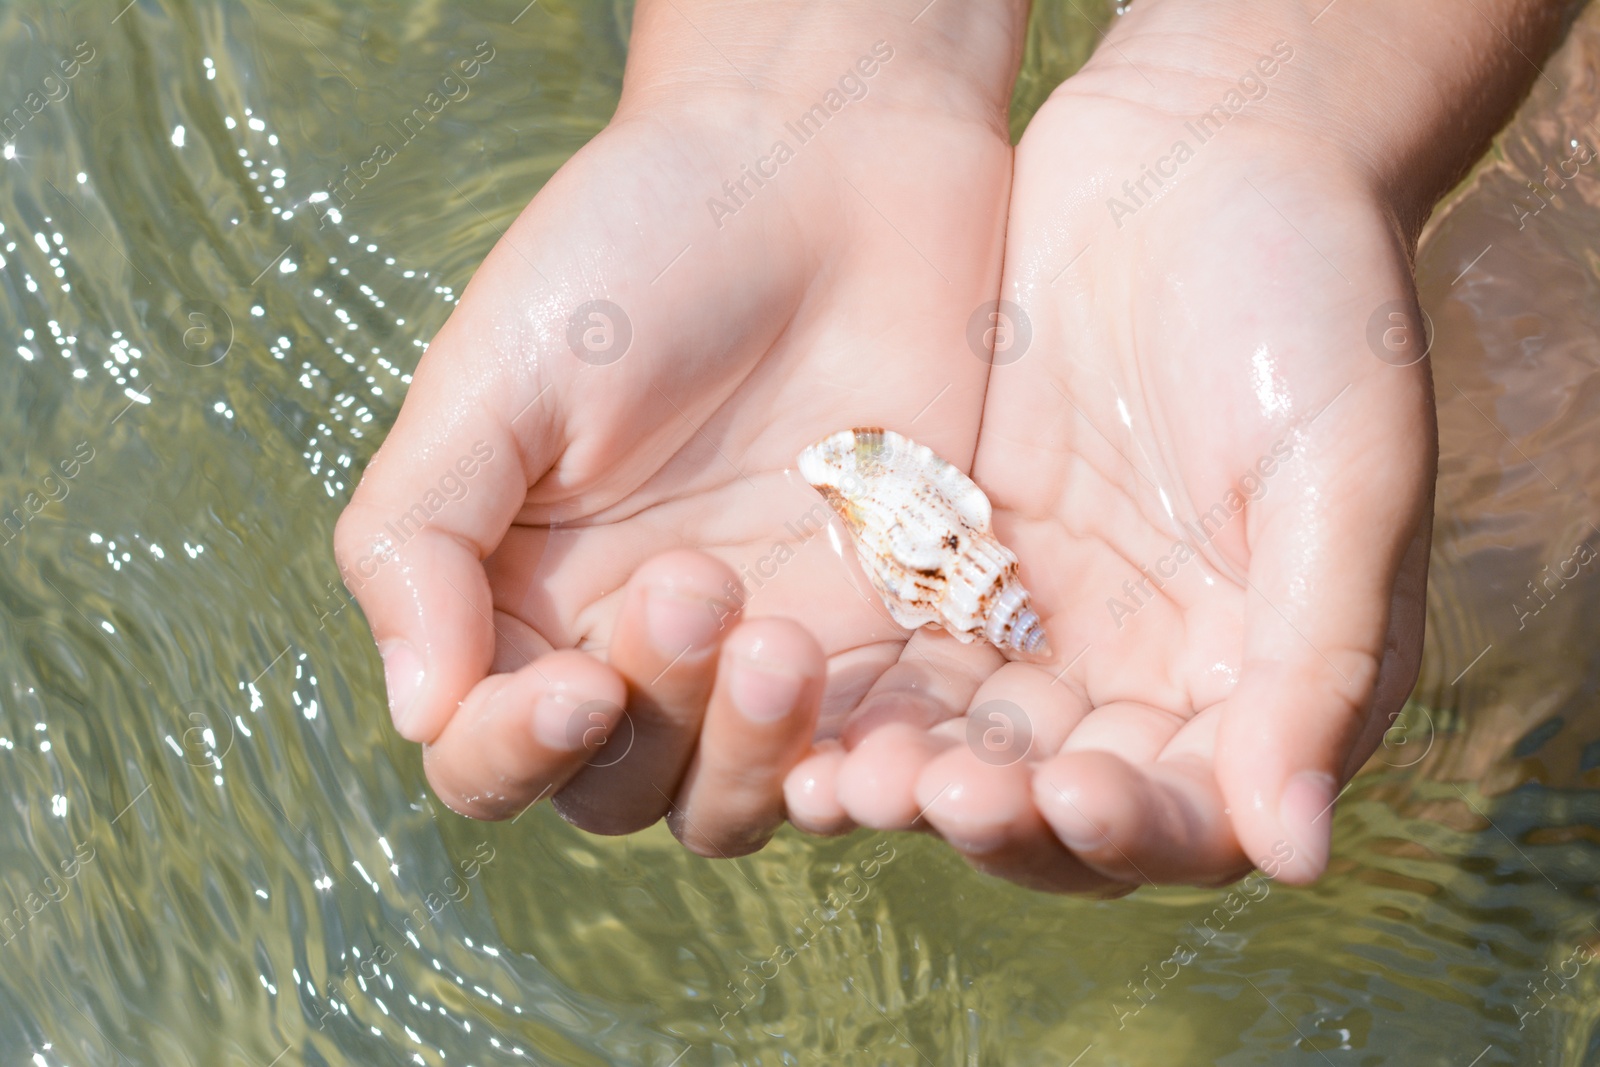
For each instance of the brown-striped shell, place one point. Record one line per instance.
(922, 531)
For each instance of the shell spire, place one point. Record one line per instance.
(922, 531)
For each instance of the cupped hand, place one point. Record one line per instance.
(1216, 468)
(580, 549)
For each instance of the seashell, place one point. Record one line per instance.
(922, 532)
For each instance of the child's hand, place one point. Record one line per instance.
(1201, 382)
(600, 444)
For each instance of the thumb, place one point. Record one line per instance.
(435, 500)
(1333, 623)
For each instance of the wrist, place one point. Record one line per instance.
(955, 59)
(1400, 99)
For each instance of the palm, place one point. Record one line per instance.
(838, 294)
(735, 366)
(1207, 475)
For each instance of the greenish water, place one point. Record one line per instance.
(219, 855)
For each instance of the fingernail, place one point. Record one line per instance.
(1306, 813)
(1074, 829)
(762, 693)
(1078, 833)
(557, 726)
(402, 677)
(678, 623)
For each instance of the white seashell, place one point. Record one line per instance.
(922, 533)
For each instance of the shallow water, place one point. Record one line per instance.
(219, 854)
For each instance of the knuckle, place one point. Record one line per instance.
(353, 533)
(1348, 681)
(360, 546)
(445, 783)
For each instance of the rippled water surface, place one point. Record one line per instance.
(219, 855)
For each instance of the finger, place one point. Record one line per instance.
(878, 779)
(1332, 554)
(811, 792)
(516, 644)
(675, 612)
(986, 812)
(1160, 823)
(758, 726)
(1397, 674)
(915, 712)
(519, 736)
(432, 503)
(932, 680)
(1023, 712)
(1134, 730)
